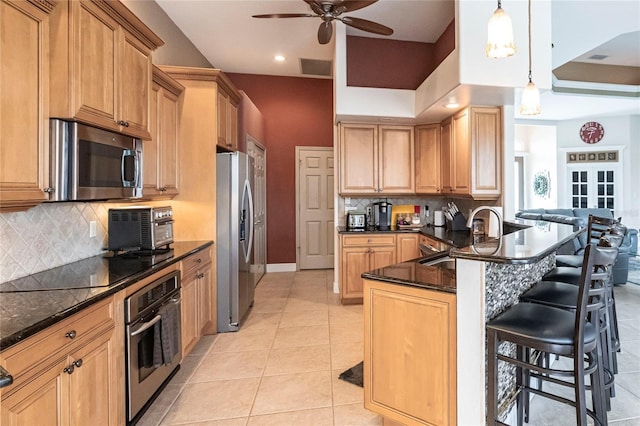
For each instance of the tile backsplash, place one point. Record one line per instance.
(50, 235)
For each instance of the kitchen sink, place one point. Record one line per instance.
(443, 262)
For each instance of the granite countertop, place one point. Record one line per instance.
(344, 230)
(33, 303)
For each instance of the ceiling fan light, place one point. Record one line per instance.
(530, 102)
(500, 35)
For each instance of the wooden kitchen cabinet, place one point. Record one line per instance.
(407, 247)
(161, 151)
(198, 299)
(376, 159)
(428, 170)
(227, 117)
(101, 66)
(362, 253)
(432, 244)
(24, 104)
(474, 155)
(68, 374)
(410, 376)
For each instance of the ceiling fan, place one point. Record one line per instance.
(330, 11)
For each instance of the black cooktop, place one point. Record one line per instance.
(98, 271)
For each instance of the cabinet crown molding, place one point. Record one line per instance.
(130, 22)
(166, 81)
(204, 74)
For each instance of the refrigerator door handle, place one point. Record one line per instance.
(248, 195)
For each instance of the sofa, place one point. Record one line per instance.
(579, 218)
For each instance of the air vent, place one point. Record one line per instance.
(598, 57)
(316, 67)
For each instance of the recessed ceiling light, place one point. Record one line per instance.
(279, 58)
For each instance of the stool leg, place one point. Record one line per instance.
(522, 380)
(599, 395)
(579, 390)
(492, 377)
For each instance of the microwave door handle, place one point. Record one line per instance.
(128, 153)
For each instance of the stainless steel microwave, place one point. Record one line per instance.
(88, 163)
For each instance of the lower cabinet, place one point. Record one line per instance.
(67, 375)
(408, 247)
(410, 376)
(362, 253)
(198, 299)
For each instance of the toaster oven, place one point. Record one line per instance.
(140, 228)
(356, 221)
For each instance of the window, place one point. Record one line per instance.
(594, 186)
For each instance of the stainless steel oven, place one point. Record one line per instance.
(153, 342)
(88, 163)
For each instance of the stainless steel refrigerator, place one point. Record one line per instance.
(234, 244)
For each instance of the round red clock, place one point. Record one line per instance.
(591, 132)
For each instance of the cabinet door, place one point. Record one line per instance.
(407, 247)
(189, 313)
(428, 171)
(355, 261)
(381, 257)
(222, 102)
(168, 138)
(446, 156)
(39, 402)
(94, 75)
(410, 377)
(461, 154)
(24, 106)
(150, 152)
(91, 384)
(134, 81)
(358, 159)
(486, 148)
(206, 300)
(396, 160)
(232, 126)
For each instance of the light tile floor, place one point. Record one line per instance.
(282, 367)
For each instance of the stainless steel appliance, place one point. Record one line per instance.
(153, 341)
(140, 228)
(234, 214)
(356, 221)
(88, 163)
(382, 215)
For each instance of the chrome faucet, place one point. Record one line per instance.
(491, 209)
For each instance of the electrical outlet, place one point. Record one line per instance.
(92, 229)
(347, 201)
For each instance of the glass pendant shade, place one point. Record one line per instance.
(530, 103)
(500, 35)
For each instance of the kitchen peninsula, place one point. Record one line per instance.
(424, 321)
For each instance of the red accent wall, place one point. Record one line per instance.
(395, 64)
(250, 122)
(296, 112)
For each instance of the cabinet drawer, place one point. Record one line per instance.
(369, 240)
(35, 351)
(195, 261)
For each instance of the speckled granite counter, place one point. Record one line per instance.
(33, 303)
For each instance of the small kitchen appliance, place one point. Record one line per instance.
(140, 228)
(382, 215)
(356, 221)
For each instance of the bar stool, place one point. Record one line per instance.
(596, 225)
(552, 330)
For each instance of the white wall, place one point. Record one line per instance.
(539, 145)
(623, 132)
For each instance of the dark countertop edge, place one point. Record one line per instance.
(409, 283)
(457, 254)
(15, 338)
(344, 230)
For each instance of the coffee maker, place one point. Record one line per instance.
(382, 215)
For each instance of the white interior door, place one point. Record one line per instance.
(259, 155)
(592, 185)
(316, 227)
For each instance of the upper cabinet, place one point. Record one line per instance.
(428, 172)
(24, 103)
(227, 116)
(471, 153)
(101, 67)
(376, 159)
(161, 152)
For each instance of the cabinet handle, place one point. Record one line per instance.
(201, 275)
(48, 190)
(69, 369)
(163, 189)
(78, 363)
(199, 260)
(71, 334)
(123, 123)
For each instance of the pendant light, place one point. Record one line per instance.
(530, 102)
(500, 35)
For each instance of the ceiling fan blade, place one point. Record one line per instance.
(366, 25)
(325, 31)
(315, 7)
(285, 15)
(351, 5)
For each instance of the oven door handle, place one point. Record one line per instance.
(147, 325)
